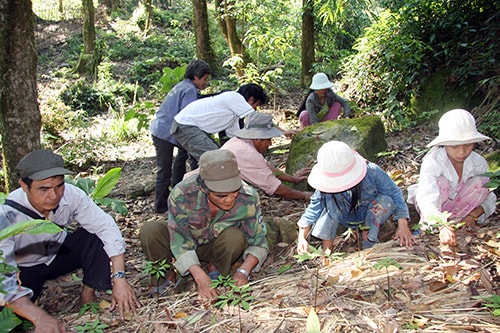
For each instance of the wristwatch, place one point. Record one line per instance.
(118, 275)
(243, 271)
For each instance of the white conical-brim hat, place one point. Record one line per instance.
(338, 168)
(457, 127)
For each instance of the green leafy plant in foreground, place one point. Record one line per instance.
(493, 303)
(233, 295)
(99, 192)
(158, 269)
(8, 318)
(94, 327)
(92, 307)
(385, 264)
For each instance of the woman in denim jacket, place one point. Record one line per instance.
(350, 190)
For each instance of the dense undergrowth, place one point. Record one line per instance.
(383, 54)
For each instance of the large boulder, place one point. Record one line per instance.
(365, 134)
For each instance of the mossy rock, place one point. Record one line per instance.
(365, 134)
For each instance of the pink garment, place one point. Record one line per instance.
(333, 114)
(253, 166)
(467, 197)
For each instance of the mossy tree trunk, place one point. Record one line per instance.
(89, 59)
(227, 24)
(202, 36)
(20, 120)
(149, 15)
(307, 50)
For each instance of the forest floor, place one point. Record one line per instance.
(422, 291)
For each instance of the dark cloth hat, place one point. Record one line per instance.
(41, 164)
(219, 170)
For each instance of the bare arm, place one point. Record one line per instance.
(42, 320)
(123, 295)
(290, 193)
(247, 266)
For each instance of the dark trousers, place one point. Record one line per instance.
(221, 251)
(167, 176)
(80, 249)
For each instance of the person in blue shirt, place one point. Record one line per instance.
(183, 93)
(350, 189)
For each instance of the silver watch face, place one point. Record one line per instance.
(118, 275)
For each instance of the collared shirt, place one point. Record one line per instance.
(253, 166)
(437, 164)
(30, 250)
(216, 113)
(375, 182)
(314, 106)
(190, 224)
(177, 99)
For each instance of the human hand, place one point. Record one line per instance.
(240, 279)
(45, 323)
(447, 236)
(302, 173)
(404, 236)
(470, 222)
(302, 246)
(205, 290)
(123, 296)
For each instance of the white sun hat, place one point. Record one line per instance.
(320, 81)
(457, 127)
(338, 168)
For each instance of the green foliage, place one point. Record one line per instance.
(383, 75)
(32, 227)
(494, 180)
(385, 264)
(94, 98)
(493, 303)
(233, 295)
(99, 192)
(94, 327)
(142, 113)
(92, 307)
(8, 318)
(158, 269)
(171, 76)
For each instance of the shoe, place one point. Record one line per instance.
(366, 244)
(214, 275)
(162, 288)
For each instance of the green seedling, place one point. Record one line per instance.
(386, 263)
(234, 295)
(493, 303)
(157, 269)
(94, 327)
(92, 307)
(312, 254)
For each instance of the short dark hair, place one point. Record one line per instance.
(254, 90)
(28, 181)
(196, 68)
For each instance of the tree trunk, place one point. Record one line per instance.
(307, 50)
(227, 24)
(89, 59)
(149, 15)
(200, 23)
(20, 118)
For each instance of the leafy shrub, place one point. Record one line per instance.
(383, 76)
(94, 98)
(58, 117)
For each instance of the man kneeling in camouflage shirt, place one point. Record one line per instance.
(212, 217)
